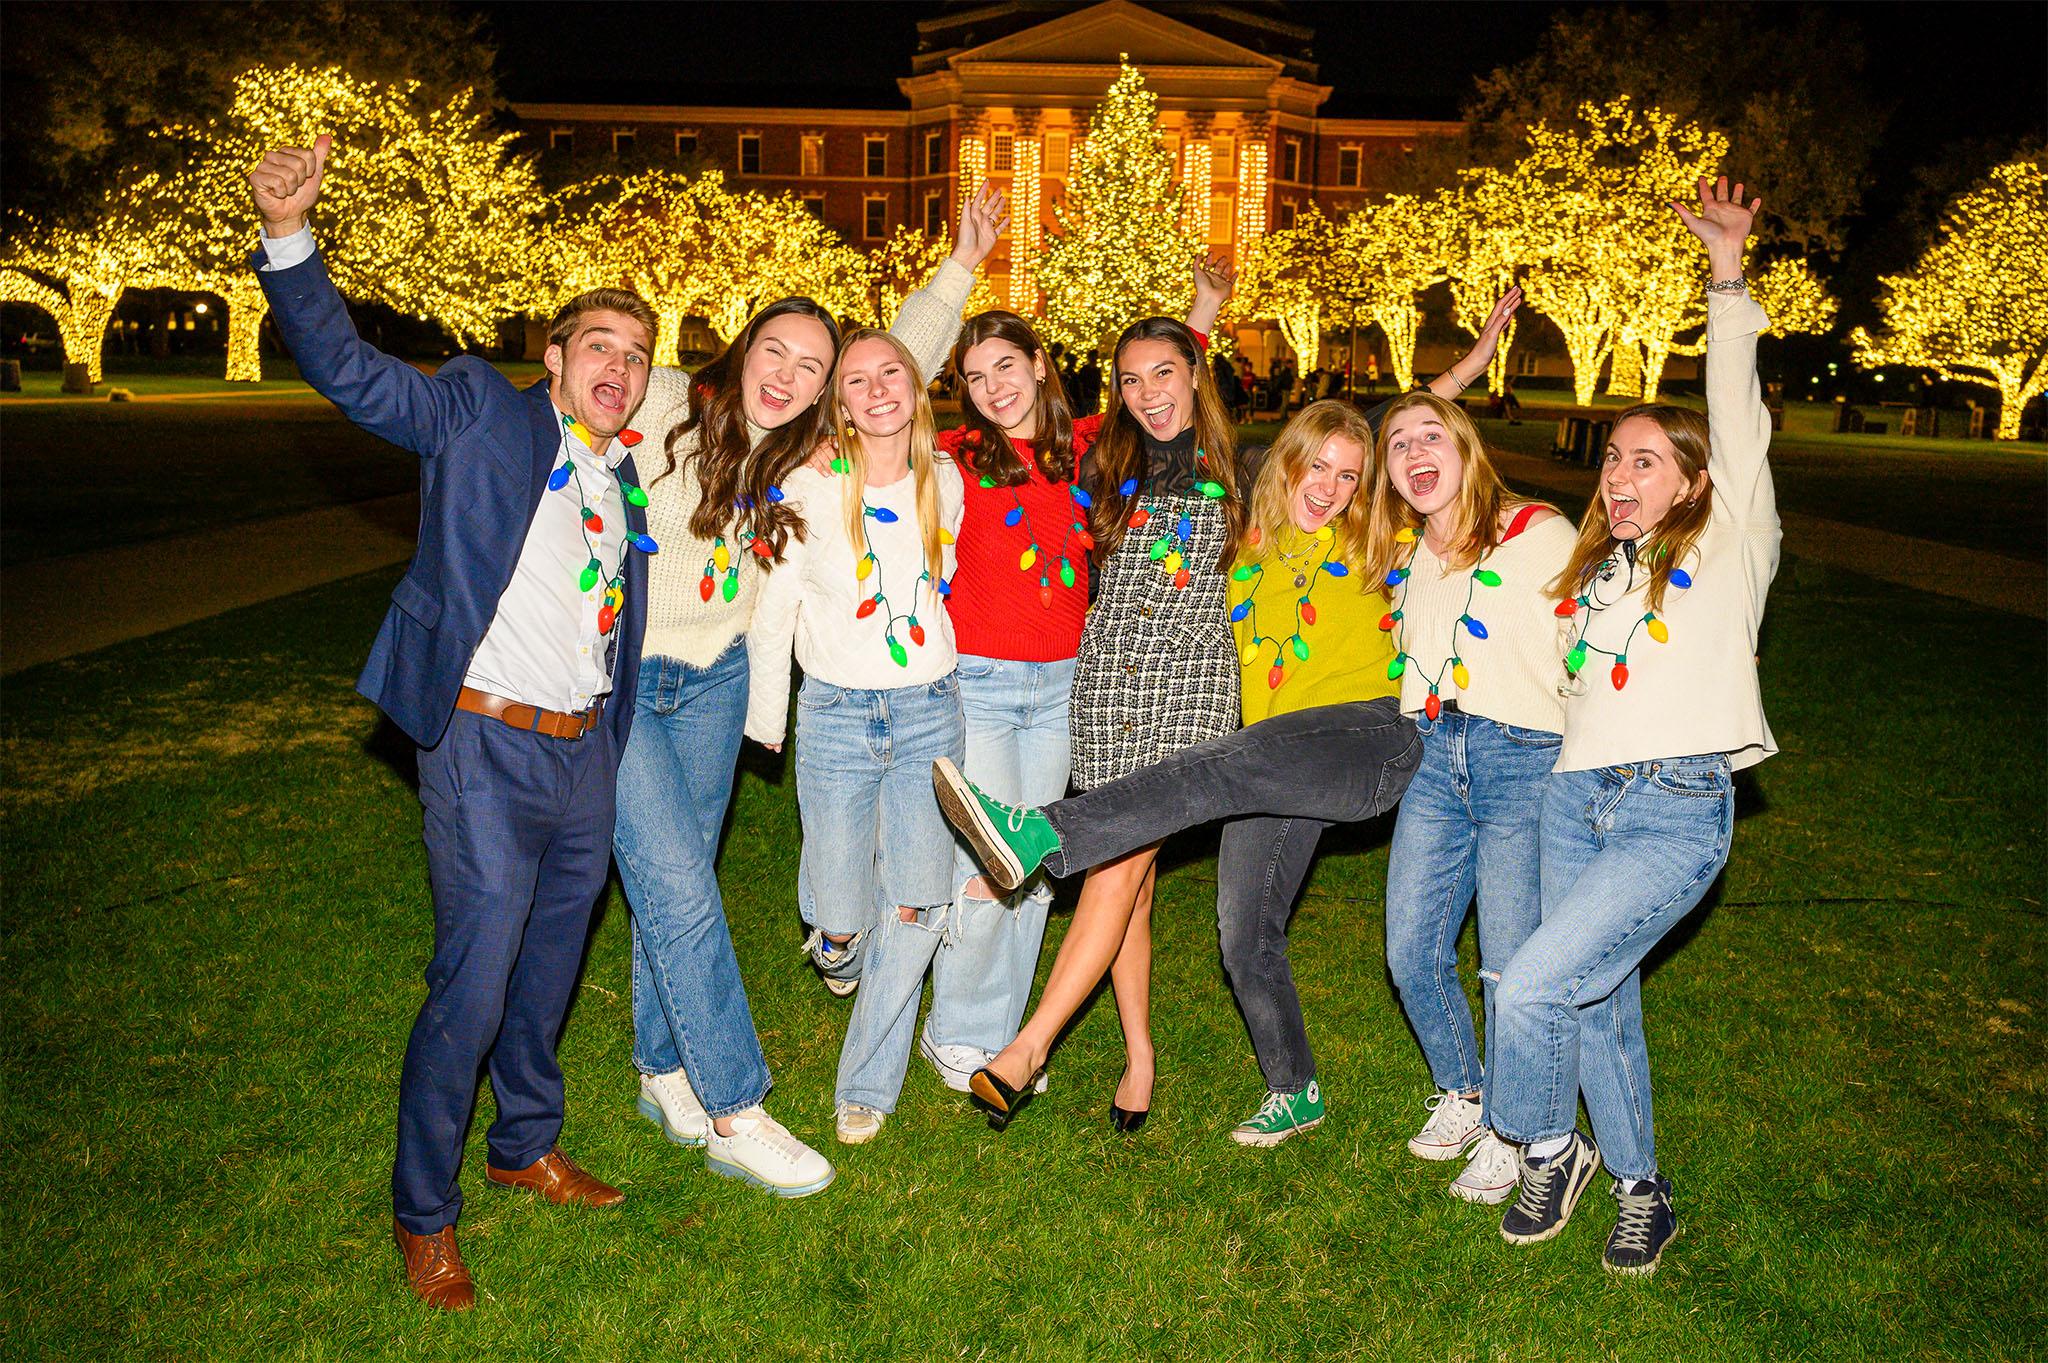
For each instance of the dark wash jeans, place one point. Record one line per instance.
(1281, 781)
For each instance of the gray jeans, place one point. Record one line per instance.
(1281, 781)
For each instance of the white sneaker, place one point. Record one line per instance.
(670, 1103)
(761, 1151)
(1489, 1176)
(1454, 1124)
(824, 956)
(957, 1062)
(858, 1124)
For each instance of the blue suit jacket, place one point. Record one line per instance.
(486, 450)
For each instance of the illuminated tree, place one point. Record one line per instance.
(1387, 255)
(1974, 308)
(1120, 251)
(906, 263)
(425, 208)
(1484, 248)
(1284, 276)
(77, 273)
(692, 248)
(1796, 298)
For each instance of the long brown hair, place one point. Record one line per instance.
(1666, 546)
(1119, 453)
(994, 455)
(733, 478)
(924, 458)
(1483, 499)
(1287, 463)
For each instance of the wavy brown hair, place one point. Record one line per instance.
(1665, 547)
(1119, 452)
(995, 456)
(1483, 499)
(1287, 463)
(733, 477)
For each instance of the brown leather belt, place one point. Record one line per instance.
(553, 723)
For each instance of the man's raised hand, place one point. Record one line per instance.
(285, 183)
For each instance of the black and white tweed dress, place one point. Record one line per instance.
(1157, 668)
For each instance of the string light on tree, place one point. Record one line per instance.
(1025, 228)
(1974, 308)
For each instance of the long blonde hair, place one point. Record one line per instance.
(924, 457)
(1666, 546)
(1483, 499)
(1287, 463)
(1119, 451)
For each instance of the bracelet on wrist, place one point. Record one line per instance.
(1739, 284)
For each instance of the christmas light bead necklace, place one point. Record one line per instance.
(1170, 551)
(870, 565)
(1582, 607)
(1394, 622)
(1031, 557)
(721, 558)
(1304, 608)
(590, 523)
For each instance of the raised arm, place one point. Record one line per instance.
(929, 320)
(1215, 279)
(385, 396)
(1472, 365)
(1738, 422)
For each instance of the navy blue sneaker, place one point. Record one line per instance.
(1645, 1225)
(1548, 1192)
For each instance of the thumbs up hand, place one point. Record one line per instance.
(285, 184)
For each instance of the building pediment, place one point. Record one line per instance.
(1100, 34)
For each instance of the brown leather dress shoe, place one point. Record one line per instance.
(434, 1268)
(557, 1178)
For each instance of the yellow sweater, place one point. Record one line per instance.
(1296, 603)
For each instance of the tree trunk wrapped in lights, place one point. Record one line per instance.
(1482, 253)
(78, 273)
(1121, 250)
(1388, 255)
(1974, 308)
(1284, 275)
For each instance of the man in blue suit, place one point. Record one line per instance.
(519, 620)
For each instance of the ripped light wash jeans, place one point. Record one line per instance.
(874, 840)
(1628, 851)
(1017, 752)
(1470, 826)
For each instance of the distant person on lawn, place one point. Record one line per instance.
(520, 616)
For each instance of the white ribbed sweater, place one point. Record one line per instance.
(1515, 671)
(680, 623)
(1697, 693)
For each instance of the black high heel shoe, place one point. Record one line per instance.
(1124, 1120)
(997, 1098)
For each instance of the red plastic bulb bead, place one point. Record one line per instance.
(1387, 622)
(762, 547)
(1139, 517)
(864, 609)
(1566, 609)
(1275, 677)
(1180, 579)
(595, 524)
(704, 587)
(1619, 676)
(1045, 597)
(917, 635)
(1308, 613)
(605, 616)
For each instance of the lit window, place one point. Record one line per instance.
(1223, 157)
(1350, 166)
(934, 214)
(622, 142)
(813, 162)
(1001, 154)
(874, 222)
(1056, 153)
(686, 145)
(1223, 220)
(750, 153)
(935, 152)
(877, 156)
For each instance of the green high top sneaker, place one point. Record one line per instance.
(1010, 841)
(1282, 1115)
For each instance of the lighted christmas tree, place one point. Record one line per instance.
(1387, 254)
(78, 272)
(1285, 276)
(906, 263)
(1975, 307)
(1482, 258)
(1120, 251)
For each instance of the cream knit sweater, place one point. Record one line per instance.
(680, 623)
(1696, 693)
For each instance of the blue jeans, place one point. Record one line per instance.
(689, 1008)
(1469, 824)
(1627, 852)
(1017, 751)
(875, 842)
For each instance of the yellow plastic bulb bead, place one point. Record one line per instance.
(946, 537)
(1173, 562)
(1027, 558)
(1404, 536)
(721, 557)
(864, 567)
(1658, 631)
(1460, 675)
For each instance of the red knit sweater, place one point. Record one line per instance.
(1000, 610)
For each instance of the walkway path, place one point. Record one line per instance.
(55, 608)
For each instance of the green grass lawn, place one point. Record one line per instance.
(218, 919)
